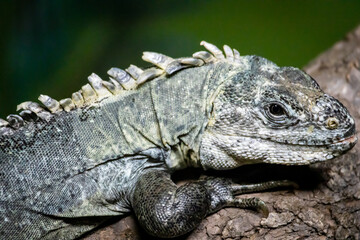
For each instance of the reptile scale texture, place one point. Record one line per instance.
(67, 166)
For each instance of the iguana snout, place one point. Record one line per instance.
(335, 122)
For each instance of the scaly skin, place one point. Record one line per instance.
(106, 151)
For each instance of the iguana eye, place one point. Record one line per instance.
(276, 110)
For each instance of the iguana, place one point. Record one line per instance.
(67, 166)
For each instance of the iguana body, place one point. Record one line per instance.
(112, 151)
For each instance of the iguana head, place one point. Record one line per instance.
(273, 114)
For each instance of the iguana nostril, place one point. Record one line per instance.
(332, 123)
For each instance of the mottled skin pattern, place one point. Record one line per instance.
(63, 177)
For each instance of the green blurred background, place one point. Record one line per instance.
(51, 47)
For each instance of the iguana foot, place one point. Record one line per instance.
(166, 210)
(255, 203)
(257, 187)
(223, 192)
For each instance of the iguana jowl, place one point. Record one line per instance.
(65, 167)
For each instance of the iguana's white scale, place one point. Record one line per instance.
(67, 104)
(134, 71)
(101, 91)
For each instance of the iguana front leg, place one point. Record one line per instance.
(166, 210)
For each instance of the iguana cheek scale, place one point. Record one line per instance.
(67, 166)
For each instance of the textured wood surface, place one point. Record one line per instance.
(327, 204)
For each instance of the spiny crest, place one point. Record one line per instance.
(119, 81)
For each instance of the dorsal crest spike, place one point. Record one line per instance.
(116, 84)
(175, 66)
(88, 93)
(96, 83)
(205, 56)
(229, 53)
(113, 86)
(123, 78)
(67, 104)
(213, 49)
(15, 121)
(158, 59)
(35, 107)
(192, 61)
(78, 99)
(236, 55)
(149, 74)
(28, 116)
(51, 104)
(134, 71)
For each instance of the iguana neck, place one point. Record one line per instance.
(188, 96)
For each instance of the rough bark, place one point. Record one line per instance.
(327, 204)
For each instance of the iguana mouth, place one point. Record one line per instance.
(351, 140)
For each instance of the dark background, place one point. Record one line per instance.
(51, 47)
